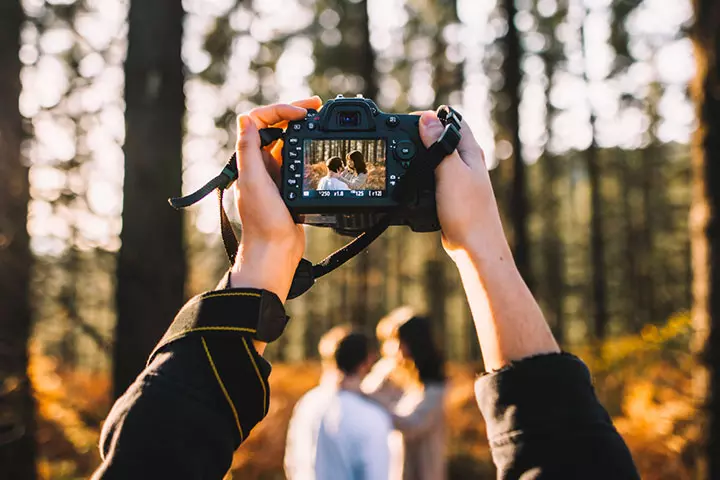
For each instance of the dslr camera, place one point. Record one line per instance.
(342, 167)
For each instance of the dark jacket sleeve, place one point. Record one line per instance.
(204, 389)
(544, 421)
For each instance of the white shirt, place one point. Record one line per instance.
(330, 183)
(303, 431)
(353, 443)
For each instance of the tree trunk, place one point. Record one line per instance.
(553, 248)
(17, 405)
(519, 210)
(366, 70)
(597, 246)
(705, 230)
(632, 281)
(448, 78)
(151, 264)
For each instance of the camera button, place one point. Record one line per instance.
(292, 154)
(297, 127)
(292, 167)
(392, 121)
(291, 195)
(405, 150)
(311, 126)
(292, 182)
(293, 140)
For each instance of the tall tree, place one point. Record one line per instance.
(597, 245)
(519, 210)
(447, 80)
(17, 408)
(553, 248)
(345, 48)
(705, 226)
(151, 264)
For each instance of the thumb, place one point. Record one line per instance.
(249, 155)
(430, 128)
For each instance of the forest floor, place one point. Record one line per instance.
(643, 380)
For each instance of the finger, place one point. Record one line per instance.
(272, 114)
(430, 128)
(275, 149)
(273, 167)
(249, 156)
(469, 149)
(314, 102)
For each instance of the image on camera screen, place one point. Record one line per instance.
(344, 168)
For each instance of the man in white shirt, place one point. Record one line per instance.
(331, 181)
(353, 442)
(305, 421)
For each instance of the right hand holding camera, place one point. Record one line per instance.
(466, 204)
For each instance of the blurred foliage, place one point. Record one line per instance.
(644, 380)
(238, 54)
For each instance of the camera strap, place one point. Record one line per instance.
(421, 168)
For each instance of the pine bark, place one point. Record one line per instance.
(17, 405)
(151, 265)
(705, 230)
(519, 209)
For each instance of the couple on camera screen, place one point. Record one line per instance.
(348, 174)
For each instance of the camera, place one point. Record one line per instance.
(342, 166)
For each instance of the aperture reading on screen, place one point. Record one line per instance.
(344, 168)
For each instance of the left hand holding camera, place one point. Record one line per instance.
(272, 244)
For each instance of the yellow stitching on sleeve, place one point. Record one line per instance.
(230, 294)
(203, 296)
(208, 329)
(257, 370)
(222, 387)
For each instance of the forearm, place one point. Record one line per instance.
(543, 417)
(173, 422)
(203, 391)
(509, 323)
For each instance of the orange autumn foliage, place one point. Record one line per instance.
(644, 381)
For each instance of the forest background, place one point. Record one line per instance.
(583, 107)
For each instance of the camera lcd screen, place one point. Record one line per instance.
(344, 168)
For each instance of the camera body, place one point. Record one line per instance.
(342, 166)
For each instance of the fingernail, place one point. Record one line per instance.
(243, 122)
(430, 121)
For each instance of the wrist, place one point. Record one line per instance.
(265, 266)
(484, 253)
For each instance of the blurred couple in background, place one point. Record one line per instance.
(373, 418)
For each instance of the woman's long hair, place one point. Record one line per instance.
(429, 362)
(358, 161)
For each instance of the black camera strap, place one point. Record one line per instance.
(422, 166)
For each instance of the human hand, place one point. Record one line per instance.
(466, 204)
(272, 244)
(508, 320)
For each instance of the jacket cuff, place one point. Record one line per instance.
(246, 312)
(538, 395)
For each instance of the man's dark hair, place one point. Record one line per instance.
(352, 351)
(334, 164)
